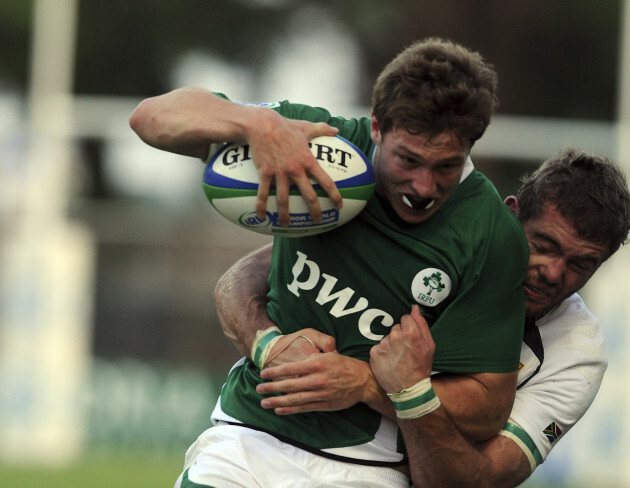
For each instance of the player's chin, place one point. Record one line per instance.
(537, 308)
(538, 300)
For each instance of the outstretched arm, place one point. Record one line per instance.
(188, 120)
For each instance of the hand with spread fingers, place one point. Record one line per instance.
(283, 158)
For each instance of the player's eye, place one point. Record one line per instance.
(449, 168)
(581, 267)
(406, 159)
(539, 248)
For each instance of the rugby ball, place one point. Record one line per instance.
(231, 180)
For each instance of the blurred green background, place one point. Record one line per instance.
(111, 355)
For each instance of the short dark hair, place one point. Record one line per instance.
(588, 190)
(435, 86)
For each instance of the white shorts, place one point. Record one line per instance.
(229, 456)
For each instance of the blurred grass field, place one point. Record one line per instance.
(111, 470)
(98, 471)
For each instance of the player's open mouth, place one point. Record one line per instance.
(535, 292)
(418, 203)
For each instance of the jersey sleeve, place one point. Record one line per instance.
(553, 401)
(352, 129)
(481, 330)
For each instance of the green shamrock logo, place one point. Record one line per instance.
(434, 282)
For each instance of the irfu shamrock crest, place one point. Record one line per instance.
(434, 282)
(430, 287)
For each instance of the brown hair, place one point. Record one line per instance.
(435, 86)
(589, 191)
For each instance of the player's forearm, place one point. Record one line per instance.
(440, 456)
(376, 398)
(476, 411)
(240, 296)
(478, 404)
(187, 120)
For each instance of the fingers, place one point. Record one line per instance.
(423, 327)
(263, 194)
(415, 313)
(328, 185)
(414, 322)
(305, 186)
(294, 403)
(323, 342)
(413, 331)
(295, 165)
(282, 199)
(299, 175)
(290, 349)
(288, 385)
(319, 175)
(322, 129)
(323, 382)
(274, 373)
(295, 394)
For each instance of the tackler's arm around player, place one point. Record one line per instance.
(478, 404)
(325, 381)
(234, 287)
(322, 382)
(439, 454)
(245, 283)
(333, 381)
(450, 457)
(189, 120)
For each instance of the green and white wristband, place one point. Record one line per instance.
(263, 343)
(415, 401)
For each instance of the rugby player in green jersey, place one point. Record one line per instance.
(435, 234)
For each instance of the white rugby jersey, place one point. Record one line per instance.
(551, 400)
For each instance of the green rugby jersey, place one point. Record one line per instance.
(464, 267)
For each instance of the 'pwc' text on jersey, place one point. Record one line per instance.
(341, 298)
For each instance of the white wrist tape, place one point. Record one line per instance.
(263, 343)
(416, 401)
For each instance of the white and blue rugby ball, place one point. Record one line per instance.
(231, 180)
